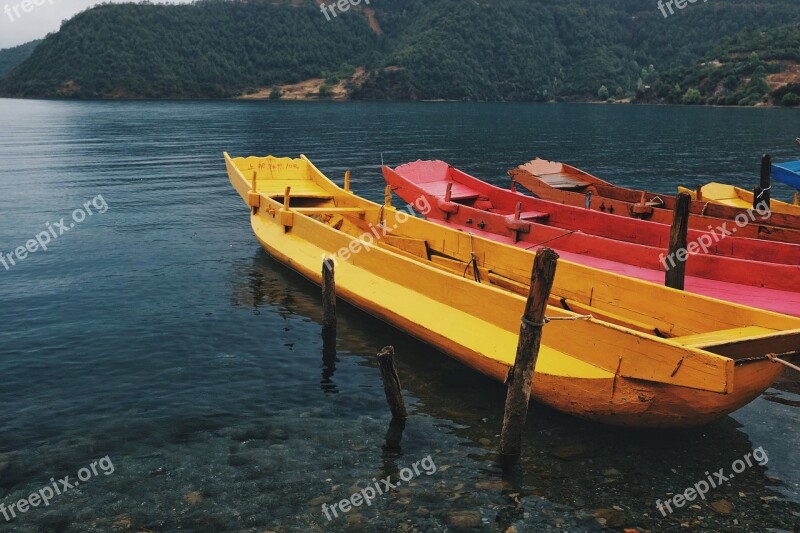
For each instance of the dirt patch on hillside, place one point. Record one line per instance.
(790, 74)
(310, 89)
(373, 21)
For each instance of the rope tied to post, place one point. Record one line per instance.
(547, 320)
(775, 359)
(763, 191)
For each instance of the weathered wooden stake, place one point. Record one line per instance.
(677, 254)
(328, 306)
(762, 192)
(520, 376)
(347, 181)
(394, 435)
(391, 383)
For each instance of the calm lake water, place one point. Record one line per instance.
(158, 333)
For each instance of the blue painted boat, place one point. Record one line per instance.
(788, 173)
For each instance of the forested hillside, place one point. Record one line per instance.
(11, 57)
(755, 67)
(519, 50)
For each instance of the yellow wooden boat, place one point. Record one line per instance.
(649, 356)
(724, 194)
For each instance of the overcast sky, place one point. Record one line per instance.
(40, 20)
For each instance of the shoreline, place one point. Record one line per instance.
(250, 98)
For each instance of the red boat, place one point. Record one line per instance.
(729, 270)
(565, 184)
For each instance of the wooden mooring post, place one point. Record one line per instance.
(328, 306)
(394, 395)
(391, 383)
(677, 253)
(762, 193)
(520, 376)
(394, 435)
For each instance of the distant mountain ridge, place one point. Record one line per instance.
(512, 50)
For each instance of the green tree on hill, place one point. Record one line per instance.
(692, 96)
(790, 100)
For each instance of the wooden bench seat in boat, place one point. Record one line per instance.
(562, 180)
(331, 210)
(439, 188)
(300, 189)
(534, 215)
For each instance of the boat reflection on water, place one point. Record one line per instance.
(566, 460)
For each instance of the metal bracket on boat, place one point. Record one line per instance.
(677, 367)
(616, 375)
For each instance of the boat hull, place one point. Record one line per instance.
(724, 194)
(603, 397)
(587, 368)
(788, 173)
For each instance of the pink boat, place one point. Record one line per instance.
(729, 270)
